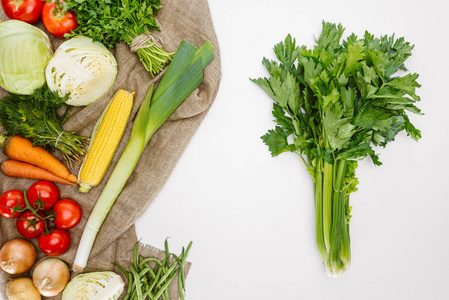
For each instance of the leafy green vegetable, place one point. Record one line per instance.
(36, 117)
(95, 285)
(337, 100)
(110, 22)
(24, 52)
(83, 69)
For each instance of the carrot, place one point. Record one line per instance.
(14, 168)
(21, 149)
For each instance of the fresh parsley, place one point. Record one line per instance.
(110, 22)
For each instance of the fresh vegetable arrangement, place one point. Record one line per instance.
(181, 78)
(43, 86)
(110, 22)
(36, 117)
(337, 101)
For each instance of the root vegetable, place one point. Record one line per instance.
(15, 168)
(21, 289)
(17, 256)
(50, 277)
(21, 149)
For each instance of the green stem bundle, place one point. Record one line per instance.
(333, 103)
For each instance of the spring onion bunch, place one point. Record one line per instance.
(182, 77)
(332, 104)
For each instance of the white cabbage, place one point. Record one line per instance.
(25, 50)
(82, 68)
(94, 286)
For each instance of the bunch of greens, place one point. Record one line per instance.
(151, 277)
(37, 118)
(110, 22)
(336, 101)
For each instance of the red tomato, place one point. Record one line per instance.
(60, 23)
(10, 199)
(67, 214)
(55, 243)
(25, 225)
(46, 191)
(24, 10)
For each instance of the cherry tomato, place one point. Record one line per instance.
(67, 213)
(8, 200)
(24, 10)
(60, 23)
(25, 227)
(55, 243)
(44, 190)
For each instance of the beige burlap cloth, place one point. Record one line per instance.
(179, 20)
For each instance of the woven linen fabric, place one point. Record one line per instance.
(179, 20)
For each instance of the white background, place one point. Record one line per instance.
(251, 216)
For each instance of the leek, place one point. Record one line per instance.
(182, 77)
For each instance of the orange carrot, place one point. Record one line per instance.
(21, 149)
(14, 168)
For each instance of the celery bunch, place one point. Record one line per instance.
(336, 101)
(182, 77)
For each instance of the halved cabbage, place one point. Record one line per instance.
(25, 50)
(82, 68)
(94, 286)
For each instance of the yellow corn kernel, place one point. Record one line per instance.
(104, 141)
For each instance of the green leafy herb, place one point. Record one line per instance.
(36, 117)
(337, 100)
(110, 22)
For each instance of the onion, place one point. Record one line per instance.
(17, 256)
(50, 277)
(22, 289)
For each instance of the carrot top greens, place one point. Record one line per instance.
(337, 100)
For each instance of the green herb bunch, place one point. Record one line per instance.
(110, 22)
(36, 118)
(337, 101)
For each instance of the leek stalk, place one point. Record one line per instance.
(182, 77)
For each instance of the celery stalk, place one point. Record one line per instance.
(182, 77)
(332, 229)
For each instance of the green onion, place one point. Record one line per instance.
(182, 77)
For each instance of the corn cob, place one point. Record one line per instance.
(104, 141)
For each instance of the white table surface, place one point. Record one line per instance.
(251, 216)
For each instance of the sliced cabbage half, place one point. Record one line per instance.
(94, 286)
(25, 51)
(82, 68)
